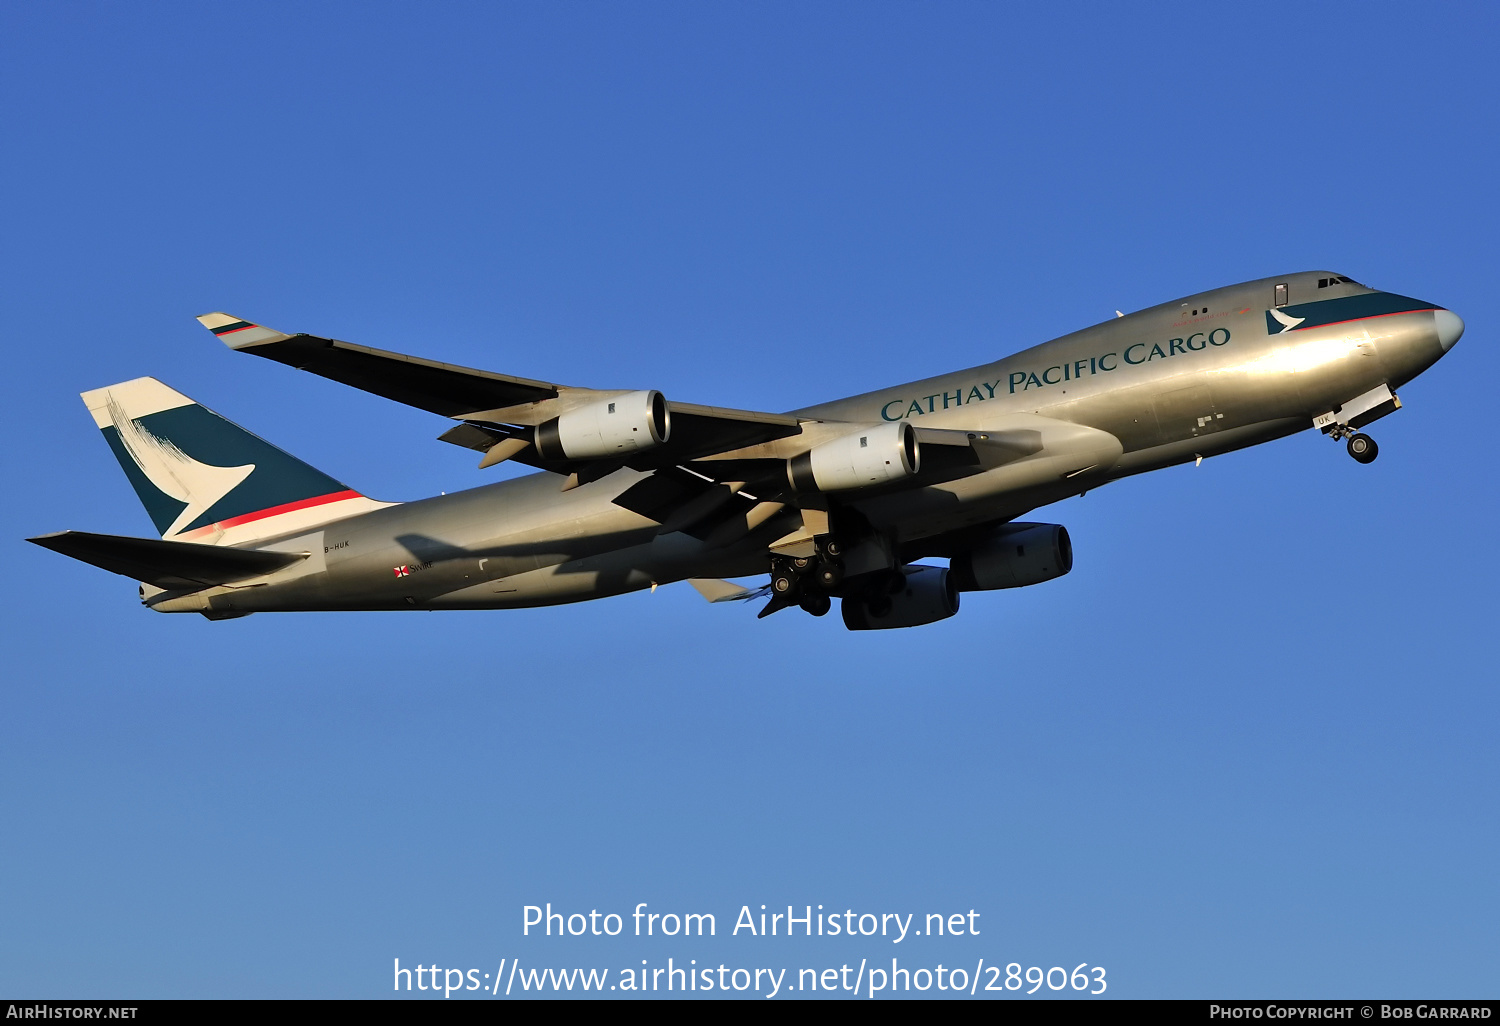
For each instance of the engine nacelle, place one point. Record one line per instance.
(1014, 556)
(610, 427)
(921, 594)
(860, 460)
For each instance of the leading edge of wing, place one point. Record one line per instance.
(442, 388)
(484, 397)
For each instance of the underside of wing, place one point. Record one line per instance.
(503, 410)
(714, 473)
(172, 565)
(441, 388)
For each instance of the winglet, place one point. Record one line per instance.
(237, 333)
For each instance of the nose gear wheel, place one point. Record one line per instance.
(1363, 448)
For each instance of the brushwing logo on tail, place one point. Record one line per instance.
(174, 472)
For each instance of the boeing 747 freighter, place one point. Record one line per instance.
(838, 501)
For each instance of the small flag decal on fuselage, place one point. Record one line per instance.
(402, 571)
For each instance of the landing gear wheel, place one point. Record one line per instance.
(833, 548)
(782, 582)
(1363, 448)
(801, 563)
(830, 575)
(816, 604)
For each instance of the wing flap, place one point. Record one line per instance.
(715, 590)
(699, 431)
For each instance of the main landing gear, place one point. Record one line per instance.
(806, 581)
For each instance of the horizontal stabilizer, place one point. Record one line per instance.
(172, 565)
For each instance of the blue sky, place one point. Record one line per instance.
(1245, 749)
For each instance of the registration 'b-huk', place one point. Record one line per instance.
(837, 501)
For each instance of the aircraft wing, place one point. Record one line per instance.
(496, 407)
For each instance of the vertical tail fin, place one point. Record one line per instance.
(205, 479)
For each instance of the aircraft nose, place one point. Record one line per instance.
(1450, 327)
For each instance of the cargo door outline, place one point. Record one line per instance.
(1187, 413)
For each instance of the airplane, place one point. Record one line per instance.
(836, 501)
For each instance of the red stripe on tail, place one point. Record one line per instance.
(288, 507)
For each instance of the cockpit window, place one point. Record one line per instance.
(1323, 283)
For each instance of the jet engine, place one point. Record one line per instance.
(1014, 556)
(865, 458)
(911, 596)
(609, 427)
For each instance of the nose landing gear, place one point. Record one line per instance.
(1345, 419)
(1363, 448)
